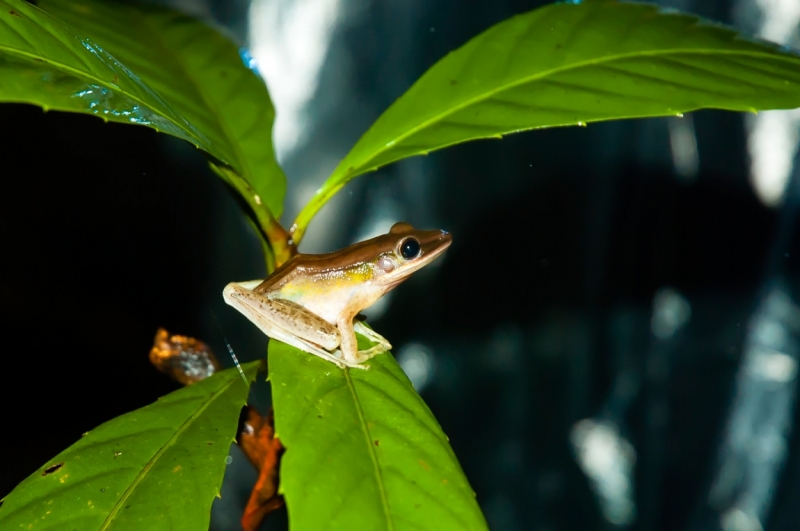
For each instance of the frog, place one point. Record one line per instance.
(313, 302)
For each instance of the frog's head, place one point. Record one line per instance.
(405, 250)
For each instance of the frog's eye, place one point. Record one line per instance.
(410, 248)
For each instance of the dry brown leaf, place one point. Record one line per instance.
(184, 358)
(258, 442)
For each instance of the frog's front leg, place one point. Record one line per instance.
(286, 321)
(382, 346)
(349, 343)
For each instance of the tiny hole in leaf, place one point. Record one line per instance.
(52, 468)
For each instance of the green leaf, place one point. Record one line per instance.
(363, 451)
(156, 468)
(568, 64)
(146, 66)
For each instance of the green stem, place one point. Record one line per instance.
(323, 195)
(276, 241)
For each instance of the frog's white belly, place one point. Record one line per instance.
(333, 302)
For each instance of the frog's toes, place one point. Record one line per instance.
(370, 353)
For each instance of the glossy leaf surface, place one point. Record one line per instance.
(144, 66)
(572, 64)
(363, 451)
(156, 468)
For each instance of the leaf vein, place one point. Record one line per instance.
(370, 450)
(362, 165)
(169, 443)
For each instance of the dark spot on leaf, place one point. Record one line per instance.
(52, 468)
(319, 416)
(377, 442)
(14, 14)
(210, 443)
(558, 46)
(453, 82)
(417, 505)
(127, 506)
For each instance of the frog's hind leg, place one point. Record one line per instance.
(288, 322)
(305, 346)
(304, 329)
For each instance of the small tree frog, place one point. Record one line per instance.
(311, 302)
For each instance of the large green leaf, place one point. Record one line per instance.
(145, 66)
(571, 64)
(363, 451)
(156, 468)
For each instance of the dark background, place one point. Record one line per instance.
(543, 327)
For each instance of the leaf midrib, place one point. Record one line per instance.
(233, 144)
(168, 444)
(370, 449)
(362, 165)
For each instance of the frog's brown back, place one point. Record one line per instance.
(352, 257)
